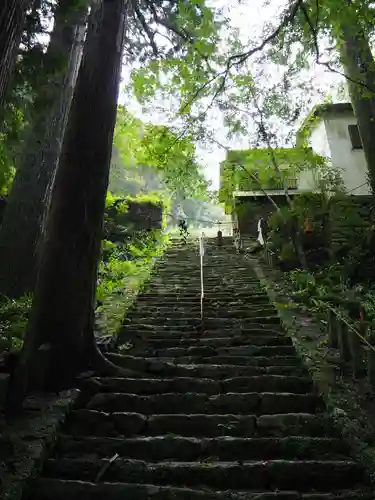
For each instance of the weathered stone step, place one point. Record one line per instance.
(260, 383)
(241, 350)
(159, 368)
(194, 300)
(190, 288)
(223, 448)
(157, 365)
(85, 422)
(302, 475)
(241, 333)
(245, 403)
(195, 308)
(191, 314)
(195, 332)
(179, 341)
(183, 281)
(209, 295)
(210, 322)
(59, 489)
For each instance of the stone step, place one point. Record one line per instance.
(157, 365)
(191, 288)
(159, 368)
(257, 335)
(226, 296)
(303, 475)
(182, 448)
(207, 351)
(179, 341)
(60, 489)
(183, 307)
(195, 300)
(85, 422)
(210, 322)
(245, 403)
(191, 314)
(191, 281)
(195, 331)
(260, 383)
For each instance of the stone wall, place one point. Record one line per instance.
(139, 216)
(250, 209)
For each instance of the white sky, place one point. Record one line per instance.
(249, 17)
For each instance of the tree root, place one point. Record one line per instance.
(104, 367)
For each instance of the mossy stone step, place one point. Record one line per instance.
(85, 422)
(223, 448)
(234, 294)
(195, 332)
(258, 335)
(226, 301)
(60, 489)
(209, 309)
(241, 350)
(304, 475)
(244, 403)
(181, 340)
(209, 312)
(210, 322)
(260, 383)
(159, 368)
(156, 365)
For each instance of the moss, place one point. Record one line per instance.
(29, 439)
(349, 411)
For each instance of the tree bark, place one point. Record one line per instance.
(12, 19)
(22, 221)
(65, 287)
(359, 67)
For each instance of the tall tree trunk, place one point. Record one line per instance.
(12, 19)
(65, 287)
(359, 67)
(21, 225)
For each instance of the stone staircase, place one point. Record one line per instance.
(227, 414)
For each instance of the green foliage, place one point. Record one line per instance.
(13, 321)
(122, 273)
(127, 260)
(156, 159)
(185, 62)
(257, 169)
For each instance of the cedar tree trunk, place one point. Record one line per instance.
(65, 288)
(12, 19)
(359, 67)
(22, 220)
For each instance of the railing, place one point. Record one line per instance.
(347, 330)
(289, 182)
(353, 337)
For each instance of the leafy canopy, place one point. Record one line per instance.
(146, 147)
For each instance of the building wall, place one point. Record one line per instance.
(351, 162)
(331, 139)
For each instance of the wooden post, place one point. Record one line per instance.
(356, 351)
(343, 340)
(332, 329)
(371, 358)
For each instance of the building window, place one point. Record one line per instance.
(355, 137)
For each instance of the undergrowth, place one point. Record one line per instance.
(123, 272)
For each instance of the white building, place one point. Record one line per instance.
(331, 131)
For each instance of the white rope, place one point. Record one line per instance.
(201, 253)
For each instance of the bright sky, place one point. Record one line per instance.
(250, 17)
